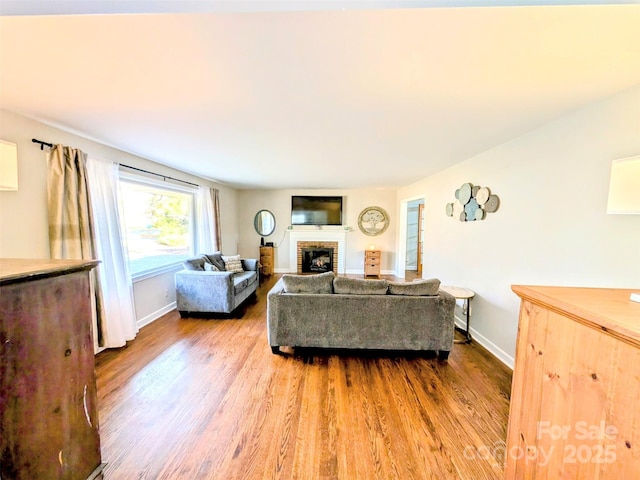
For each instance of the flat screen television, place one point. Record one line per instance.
(310, 210)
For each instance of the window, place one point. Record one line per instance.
(158, 224)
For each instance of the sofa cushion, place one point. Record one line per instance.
(360, 286)
(252, 276)
(194, 264)
(415, 288)
(243, 280)
(215, 258)
(320, 283)
(232, 263)
(239, 284)
(210, 267)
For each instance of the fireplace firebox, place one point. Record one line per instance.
(317, 260)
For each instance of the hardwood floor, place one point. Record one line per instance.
(205, 398)
(411, 275)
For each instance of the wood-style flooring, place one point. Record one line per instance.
(206, 399)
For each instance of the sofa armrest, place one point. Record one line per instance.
(250, 264)
(273, 305)
(204, 291)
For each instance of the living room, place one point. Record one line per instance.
(551, 228)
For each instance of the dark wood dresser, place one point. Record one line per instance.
(48, 400)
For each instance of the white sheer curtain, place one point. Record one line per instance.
(208, 237)
(117, 289)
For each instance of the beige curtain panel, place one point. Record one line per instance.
(217, 235)
(70, 219)
(69, 215)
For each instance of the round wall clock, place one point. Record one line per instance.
(373, 221)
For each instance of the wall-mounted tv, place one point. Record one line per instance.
(310, 210)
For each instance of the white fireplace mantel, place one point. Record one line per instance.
(320, 234)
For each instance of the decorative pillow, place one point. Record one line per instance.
(194, 264)
(232, 263)
(419, 287)
(215, 258)
(210, 267)
(320, 283)
(360, 286)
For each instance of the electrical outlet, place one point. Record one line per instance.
(166, 293)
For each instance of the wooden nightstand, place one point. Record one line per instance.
(266, 261)
(372, 263)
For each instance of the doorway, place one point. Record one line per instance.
(414, 239)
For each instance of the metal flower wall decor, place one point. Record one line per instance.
(472, 203)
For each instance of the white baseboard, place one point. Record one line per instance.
(496, 351)
(361, 272)
(141, 322)
(348, 272)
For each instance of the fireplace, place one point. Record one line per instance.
(317, 257)
(334, 238)
(316, 260)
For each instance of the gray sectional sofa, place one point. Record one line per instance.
(325, 311)
(215, 283)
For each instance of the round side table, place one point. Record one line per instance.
(465, 295)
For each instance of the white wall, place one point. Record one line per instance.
(23, 214)
(279, 202)
(551, 227)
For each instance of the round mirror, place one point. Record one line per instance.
(264, 222)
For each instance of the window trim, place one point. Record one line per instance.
(141, 179)
(157, 271)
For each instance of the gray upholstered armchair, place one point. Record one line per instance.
(215, 283)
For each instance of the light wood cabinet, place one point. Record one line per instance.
(266, 261)
(575, 397)
(48, 399)
(372, 263)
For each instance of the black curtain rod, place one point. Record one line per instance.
(164, 177)
(42, 144)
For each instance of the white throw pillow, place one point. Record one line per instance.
(233, 263)
(210, 267)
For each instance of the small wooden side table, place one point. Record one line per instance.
(466, 295)
(372, 263)
(266, 261)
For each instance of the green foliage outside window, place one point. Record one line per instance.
(158, 223)
(170, 217)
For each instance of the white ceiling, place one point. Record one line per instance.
(332, 95)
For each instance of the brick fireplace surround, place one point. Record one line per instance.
(323, 237)
(316, 244)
